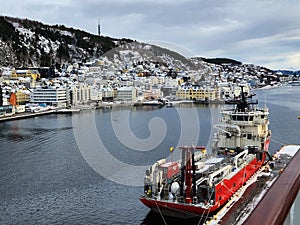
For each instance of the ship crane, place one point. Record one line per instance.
(224, 128)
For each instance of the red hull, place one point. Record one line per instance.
(224, 190)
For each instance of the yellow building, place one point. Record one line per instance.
(22, 97)
(196, 92)
(34, 74)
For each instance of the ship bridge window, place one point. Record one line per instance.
(249, 136)
(242, 118)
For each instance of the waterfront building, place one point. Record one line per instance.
(169, 91)
(7, 110)
(71, 95)
(56, 96)
(127, 94)
(150, 94)
(115, 91)
(96, 95)
(83, 93)
(107, 94)
(13, 99)
(19, 108)
(153, 92)
(23, 97)
(196, 92)
(79, 94)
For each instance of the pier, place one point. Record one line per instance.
(35, 114)
(24, 115)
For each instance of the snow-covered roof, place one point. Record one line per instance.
(125, 88)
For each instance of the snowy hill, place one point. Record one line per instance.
(30, 43)
(26, 43)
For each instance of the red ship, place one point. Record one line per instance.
(199, 184)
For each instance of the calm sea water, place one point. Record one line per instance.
(48, 177)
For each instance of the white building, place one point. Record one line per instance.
(80, 94)
(96, 95)
(127, 94)
(83, 93)
(50, 95)
(107, 94)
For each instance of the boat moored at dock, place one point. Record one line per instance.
(201, 184)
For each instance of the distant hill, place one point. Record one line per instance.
(220, 61)
(289, 72)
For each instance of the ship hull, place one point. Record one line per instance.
(227, 187)
(178, 210)
(224, 190)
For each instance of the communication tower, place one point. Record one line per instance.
(99, 30)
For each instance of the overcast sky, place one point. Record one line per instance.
(262, 32)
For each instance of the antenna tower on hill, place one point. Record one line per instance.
(99, 30)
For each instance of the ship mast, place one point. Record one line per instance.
(188, 173)
(242, 103)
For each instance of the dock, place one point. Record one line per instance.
(24, 115)
(274, 207)
(36, 114)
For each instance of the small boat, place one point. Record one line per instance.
(294, 83)
(150, 103)
(299, 117)
(169, 104)
(199, 183)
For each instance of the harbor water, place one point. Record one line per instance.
(71, 169)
